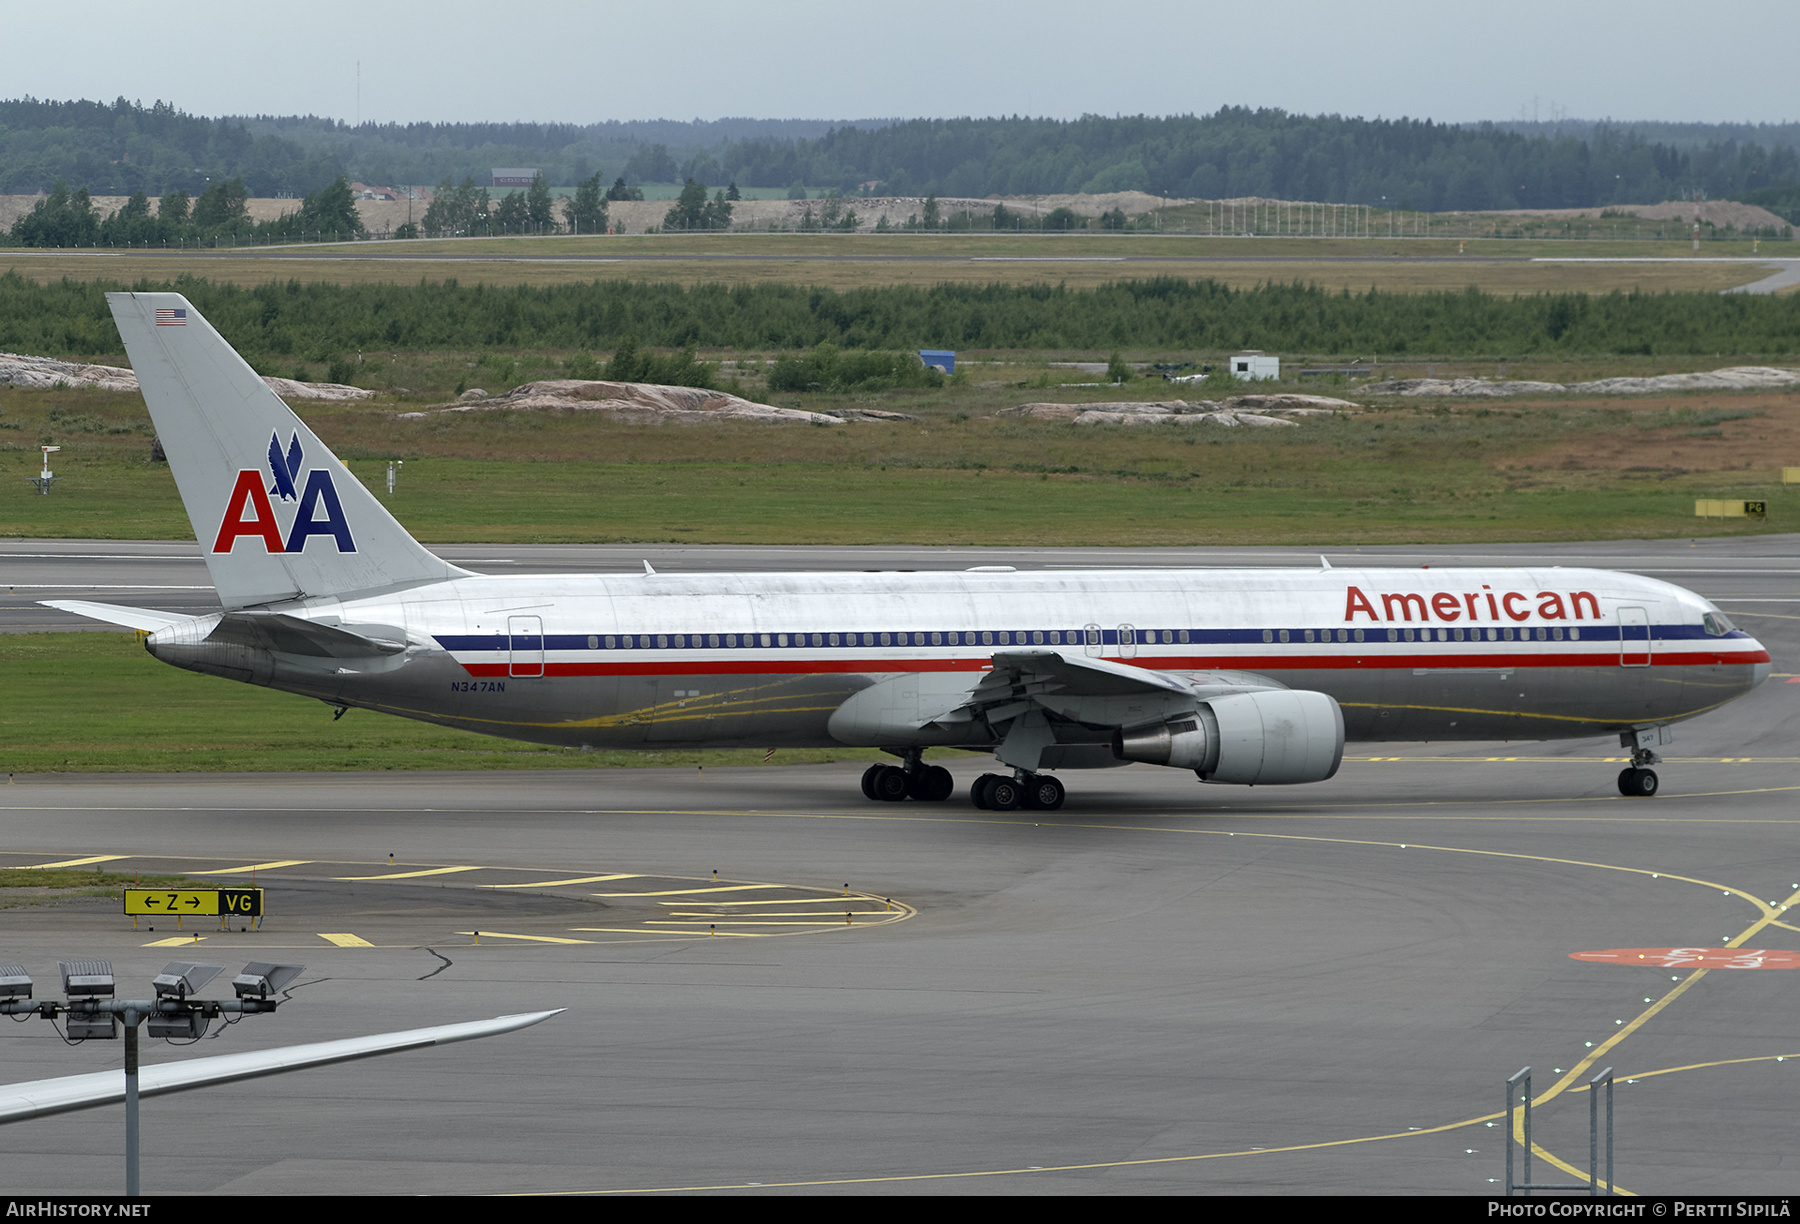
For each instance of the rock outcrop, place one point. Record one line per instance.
(1734, 378)
(1257, 411)
(21, 371)
(633, 401)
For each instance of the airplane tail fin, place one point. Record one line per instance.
(278, 516)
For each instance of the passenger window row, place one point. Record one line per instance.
(1554, 633)
(1090, 637)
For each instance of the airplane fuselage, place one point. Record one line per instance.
(713, 661)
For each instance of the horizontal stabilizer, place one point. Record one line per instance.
(295, 635)
(116, 614)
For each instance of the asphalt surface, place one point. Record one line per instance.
(1783, 273)
(1162, 988)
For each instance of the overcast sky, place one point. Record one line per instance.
(455, 61)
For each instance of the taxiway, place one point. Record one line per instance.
(1162, 988)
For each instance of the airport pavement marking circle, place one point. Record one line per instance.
(656, 907)
(1694, 958)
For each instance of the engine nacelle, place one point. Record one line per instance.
(1264, 738)
(1184, 743)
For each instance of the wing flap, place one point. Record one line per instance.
(1083, 675)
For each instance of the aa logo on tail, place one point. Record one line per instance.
(250, 512)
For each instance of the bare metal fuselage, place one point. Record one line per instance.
(718, 661)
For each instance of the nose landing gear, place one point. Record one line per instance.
(1638, 780)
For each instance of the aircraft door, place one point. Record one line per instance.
(1127, 642)
(1094, 639)
(525, 645)
(1634, 637)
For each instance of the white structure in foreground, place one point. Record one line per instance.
(1251, 364)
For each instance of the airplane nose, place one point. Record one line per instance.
(1759, 672)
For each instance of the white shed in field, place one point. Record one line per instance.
(1252, 364)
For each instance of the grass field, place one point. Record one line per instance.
(119, 710)
(850, 261)
(956, 474)
(1549, 470)
(46, 886)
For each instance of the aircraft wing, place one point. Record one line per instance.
(944, 707)
(1021, 678)
(1078, 675)
(37, 1098)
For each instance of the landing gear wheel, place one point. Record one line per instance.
(868, 780)
(890, 784)
(1003, 794)
(1044, 793)
(1638, 783)
(978, 791)
(932, 784)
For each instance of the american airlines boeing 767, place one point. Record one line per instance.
(1255, 676)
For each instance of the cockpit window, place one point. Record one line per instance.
(1715, 623)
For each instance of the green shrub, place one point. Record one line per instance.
(632, 364)
(827, 368)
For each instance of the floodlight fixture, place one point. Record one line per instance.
(87, 979)
(15, 983)
(179, 1026)
(91, 1026)
(178, 981)
(181, 979)
(260, 980)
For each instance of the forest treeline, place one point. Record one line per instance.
(121, 147)
(1403, 163)
(221, 215)
(315, 322)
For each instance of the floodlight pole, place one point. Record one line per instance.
(131, 1102)
(93, 981)
(134, 1012)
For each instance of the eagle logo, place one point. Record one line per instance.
(286, 469)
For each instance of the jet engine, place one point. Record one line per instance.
(1270, 738)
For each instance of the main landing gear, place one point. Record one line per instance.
(1033, 792)
(933, 784)
(914, 780)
